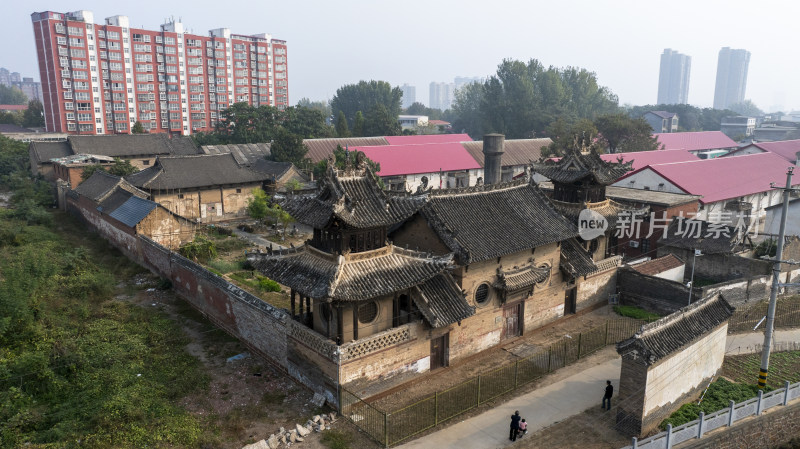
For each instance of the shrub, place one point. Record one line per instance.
(200, 249)
(636, 312)
(268, 285)
(716, 398)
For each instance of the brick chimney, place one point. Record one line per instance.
(492, 158)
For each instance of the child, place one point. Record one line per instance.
(523, 428)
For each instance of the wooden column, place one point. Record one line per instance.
(302, 312)
(330, 318)
(308, 309)
(339, 325)
(355, 321)
(294, 293)
(395, 311)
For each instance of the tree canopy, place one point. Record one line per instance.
(33, 117)
(121, 167)
(12, 95)
(363, 96)
(522, 99)
(623, 134)
(323, 106)
(747, 108)
(380, 122)
(137, 128)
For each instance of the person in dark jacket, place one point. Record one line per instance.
(607, 397)
(512, 435)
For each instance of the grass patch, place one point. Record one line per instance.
(76, 365)
(224, 266)
(335, 439)
(636, 312)
(273, 398)
(717, 398)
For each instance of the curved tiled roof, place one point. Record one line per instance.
(130, 145)
(659, 339)
(519, 278)
(483, 222)
(354, 197)
(576, 260)
(352, 276)
(187, 172)
(441, 301)
(608, 208)
(577, 165)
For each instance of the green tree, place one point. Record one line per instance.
(363, 96)
(522, 99)
(122, 167)
(33, 117)
(341, 126)
(287, 147)
(380, 122)
(322, 106)
(137, 128)
(258, 205)
(340, 156)
(201, 249)
(305, 122)
(12, 95)
(358, 125)
(623, 134)
(747, 108)
(564, 136)
(11, 118)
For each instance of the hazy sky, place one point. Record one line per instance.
(337, 42)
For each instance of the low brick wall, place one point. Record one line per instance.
(651, 293)
(764, 432)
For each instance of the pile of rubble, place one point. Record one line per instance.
(286, 438)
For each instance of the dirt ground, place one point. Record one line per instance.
(247, 399)
(519, 348)
(592, 429)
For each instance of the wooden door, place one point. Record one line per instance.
(570, 301)
(439, 352)
(512, 321)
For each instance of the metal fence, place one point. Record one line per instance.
(725, 417)
(787, 314)
(389, 428)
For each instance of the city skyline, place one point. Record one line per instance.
(372, 49)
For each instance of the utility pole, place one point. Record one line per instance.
(697, 252)
(776, 272)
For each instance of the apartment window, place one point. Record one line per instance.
(70, 116)
(113, 35)
(71, 127)
(61, 40)
(75, 42)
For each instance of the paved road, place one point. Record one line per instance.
(571, 396)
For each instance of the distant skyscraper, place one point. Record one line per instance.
(731, 77)
(673, 79)
(409, 95)
(460, 81)
(441, 95)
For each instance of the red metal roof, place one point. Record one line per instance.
(13, 107)
(786, 149)
(427, 138)
(723, 178)
(695, 141)
(645, 158)
(414, 159)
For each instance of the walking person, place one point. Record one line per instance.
(515, 418)
(607, 397)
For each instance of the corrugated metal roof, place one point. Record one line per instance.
(517, 151)
(786, 149)
(723, 178)
(321, 149)
(413, 159)
(694, 141)
(644, 158)
(425, 139)
(132, 211)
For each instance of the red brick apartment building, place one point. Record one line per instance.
(103, 78)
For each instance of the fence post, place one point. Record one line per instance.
(760, 402)
(339, 394)
(786, 393)
(579, 344)
(669, 437)
(516, 373)
(478, 396)
(605, 342)
(436, 408)
(731, 411)
(634, 443)
(549, 357)
(386, 429)
(701, 424)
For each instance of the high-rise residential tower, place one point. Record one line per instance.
(409, 95)
(673, 78)
(732, 68)
(103, 78)
(441, 95)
